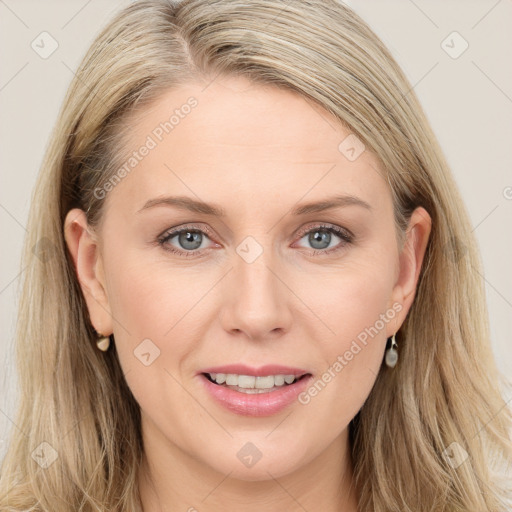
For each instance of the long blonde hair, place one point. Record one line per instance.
(443, 397)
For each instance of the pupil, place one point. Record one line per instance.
(320, 237)
(190, 240)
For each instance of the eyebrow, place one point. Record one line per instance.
(192, 205)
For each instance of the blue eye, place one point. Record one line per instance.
(320, 238)
(190, 239)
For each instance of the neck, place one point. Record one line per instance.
(324, 483)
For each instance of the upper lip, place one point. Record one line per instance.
(268, 369)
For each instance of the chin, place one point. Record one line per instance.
(254, 458)
(272, 467)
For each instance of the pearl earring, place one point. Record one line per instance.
(392, 354)
(103, 343)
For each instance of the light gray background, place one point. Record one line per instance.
(467, 99)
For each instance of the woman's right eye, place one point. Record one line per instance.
(189, 240)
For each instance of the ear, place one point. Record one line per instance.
(84, 249)
(410, 261)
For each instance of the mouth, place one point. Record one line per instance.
(252, 384)
(248, 391)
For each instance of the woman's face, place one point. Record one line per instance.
(301, 274)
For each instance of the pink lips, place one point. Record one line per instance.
(269, 369)
(261, 404)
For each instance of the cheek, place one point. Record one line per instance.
(349, 298)
(353, 303)
(150, 298)
(153, 335)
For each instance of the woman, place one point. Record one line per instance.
(260, 287)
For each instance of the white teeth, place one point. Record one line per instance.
(252, 382)
(278, 380)
(231, 379)
(265, 382)
(246, 381)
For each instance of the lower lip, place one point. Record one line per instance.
(260, 404)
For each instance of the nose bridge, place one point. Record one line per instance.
(258, 285)
(258, 303)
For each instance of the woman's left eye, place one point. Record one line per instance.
(191, 238)
(320, 237)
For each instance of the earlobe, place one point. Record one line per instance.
(411, 259)
(84, 250)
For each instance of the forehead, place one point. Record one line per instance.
(236, 111)
(232, 133)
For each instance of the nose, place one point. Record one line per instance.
(257, 303)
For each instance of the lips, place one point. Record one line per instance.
(270, 369)
(252, 391)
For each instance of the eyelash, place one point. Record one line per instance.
(346, 236)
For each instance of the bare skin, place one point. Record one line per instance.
(258, 153)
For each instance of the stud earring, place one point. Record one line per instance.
(103, 342)
(392, 354)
